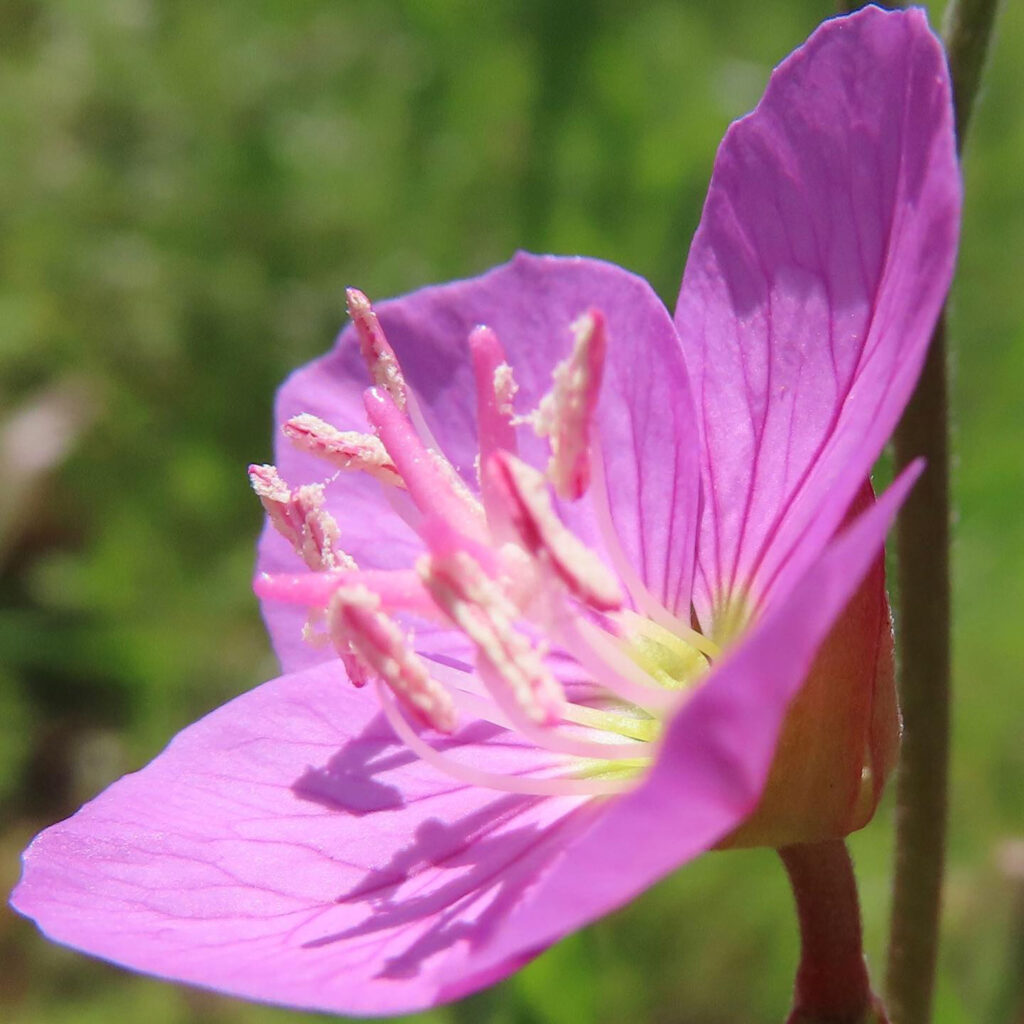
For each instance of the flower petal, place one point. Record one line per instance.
(287, 848)
(715, 757)
(814, 281)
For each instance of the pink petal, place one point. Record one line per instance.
(645, 417)
(715, 756)
(814, 281)
(287, 849)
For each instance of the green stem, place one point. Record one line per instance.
(922, 546)
(832, 984)
(967, 30)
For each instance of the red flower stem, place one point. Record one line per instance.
(832, 980)
(922, 548)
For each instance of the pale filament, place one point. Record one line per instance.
(403, 507)
(525, 784)
(550, 738)
(645, 602)
(419, 422)
(465, 686)
(675, 633)
(600, 655)
(559, 742)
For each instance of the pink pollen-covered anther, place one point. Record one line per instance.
(300, 517)
(527, 508)
(565, 413)
(495, 391)
(377, 352)
(355, 622)
(512, 668)
(343, 449)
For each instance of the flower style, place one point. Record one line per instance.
(607, 585)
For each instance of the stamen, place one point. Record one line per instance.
(646, 602)
(557, 741)
(523, 579)
(355, 622)
(630, 726)
(377, 353)
(505, 390)
(302, 520)
(431, 480)
(648, 605)
(344, 449)
(465, 685)
(565, 412)
(525, 784)
(300, 517)
(494, 392)
(314, 635)
(525, 502)
(444, 540)
(381, 361)
(610, 666)
(478, 707)
(476, 605)
(548, 738)
(669, 636)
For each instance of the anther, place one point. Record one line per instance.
(377, 353)
(505, 391)
(355, 622)
(509, 664)
(311, 530)
(495, 391)
(527, 507)
(300, 517)
(343, 449)
(565, 413)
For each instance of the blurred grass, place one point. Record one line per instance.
(185, 189)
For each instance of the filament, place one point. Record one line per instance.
(524, 784)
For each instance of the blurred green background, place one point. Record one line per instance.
(185, 190)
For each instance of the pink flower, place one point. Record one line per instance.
(567, 695)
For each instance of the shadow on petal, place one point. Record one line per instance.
(458, 879)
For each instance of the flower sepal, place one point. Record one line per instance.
(841, 733)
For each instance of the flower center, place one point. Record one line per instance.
(554, 654)
(664, 656)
